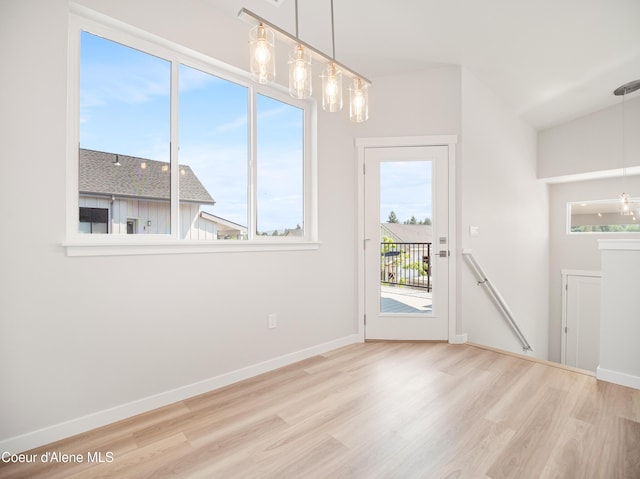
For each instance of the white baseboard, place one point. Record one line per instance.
(78, 425)
(459, 339)
(618, 378)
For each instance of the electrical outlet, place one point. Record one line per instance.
(273, 322)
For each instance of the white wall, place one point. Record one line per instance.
(575, 251)
(80, 335)
(591, 143)
(497, 189)
(422, 103)
(501, 195)
(619, 324)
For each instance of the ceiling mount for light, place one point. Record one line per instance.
(627, 88)
(262, 64)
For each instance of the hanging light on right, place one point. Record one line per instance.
(627, 206)
(358, 101)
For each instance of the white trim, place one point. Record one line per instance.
(459, 339)
(360, 238)
(400, 141)
(128, 248)
(619, 244)
(78, 425)
(592, 175)
(405, 141)
(453, 258)
(616, 377)
(580, 272)
(563, 324)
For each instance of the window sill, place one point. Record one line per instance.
(128, 248)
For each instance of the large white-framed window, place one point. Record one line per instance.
(202, 158)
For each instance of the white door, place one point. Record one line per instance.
(406, 251)
(581, 331)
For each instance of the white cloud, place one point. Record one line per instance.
(130, 84)
(239, 122)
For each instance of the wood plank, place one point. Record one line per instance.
(383, 409)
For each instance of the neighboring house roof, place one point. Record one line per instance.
(136, 178)
(402, 233)
(224, 226)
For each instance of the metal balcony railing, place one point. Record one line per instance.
(406, 264)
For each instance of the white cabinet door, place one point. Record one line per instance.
(581, 321)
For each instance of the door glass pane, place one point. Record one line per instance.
(406, 214)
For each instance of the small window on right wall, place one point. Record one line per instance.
(604, 216)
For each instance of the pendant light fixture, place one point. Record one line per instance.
(262, 61)
(332, 78)
(331, 88)
(262, 57)
(300, 74)
(627, 206)
(358, 101)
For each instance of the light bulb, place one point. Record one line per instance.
(332, 89)
(626, 206)
(299, 73)
(262, 53)
(263, 68)
(359, 104)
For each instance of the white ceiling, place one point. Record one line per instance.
(551, 60)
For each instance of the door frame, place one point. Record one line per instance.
(450, 142)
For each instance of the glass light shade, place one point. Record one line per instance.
(262, 55)
(626, 205)
(300, 73)
(331, 88)
(358, 101)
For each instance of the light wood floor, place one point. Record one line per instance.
(388, 410)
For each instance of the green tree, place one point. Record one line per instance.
(392, 218)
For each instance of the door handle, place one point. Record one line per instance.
(443, 253)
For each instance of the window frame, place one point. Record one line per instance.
(605, 203)
(78, 244)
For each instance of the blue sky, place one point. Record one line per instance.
(405, 189)
(125, 109)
